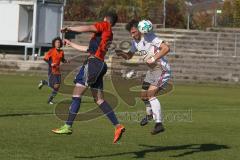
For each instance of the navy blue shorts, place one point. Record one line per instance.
(91, 73)
(54, 79)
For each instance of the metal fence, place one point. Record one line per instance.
(206, 43)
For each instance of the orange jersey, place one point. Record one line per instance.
(101, 40)
(54, 56)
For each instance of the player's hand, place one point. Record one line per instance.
(66, 29)
(53, 64)
(151, 61)
(67, 42)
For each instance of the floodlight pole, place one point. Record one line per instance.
(164, 13)
(188, 21)
(189, 5)
(34, 31)
(62, 16)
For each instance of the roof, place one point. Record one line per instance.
(201, 5)
(32, 1)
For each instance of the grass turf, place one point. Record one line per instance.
(210, 133)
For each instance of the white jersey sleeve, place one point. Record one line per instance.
(157, 41)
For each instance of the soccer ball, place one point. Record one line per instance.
(145, 26)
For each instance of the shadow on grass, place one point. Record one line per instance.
(34, 113)
(191, 149)
(24, 114)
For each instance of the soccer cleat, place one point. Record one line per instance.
(40, 85)
(50, 102)
(65, 129)
(157, 128)
(146, 119)
(118, 133)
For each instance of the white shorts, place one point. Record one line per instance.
(158, 77)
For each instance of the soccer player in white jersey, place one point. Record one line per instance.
(158, 73)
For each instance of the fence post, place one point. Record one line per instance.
(174, 43)
(218, 36)
(235, 49)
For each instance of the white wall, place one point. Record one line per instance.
(9, 14)
(24, 20)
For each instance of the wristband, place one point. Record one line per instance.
(153, 59)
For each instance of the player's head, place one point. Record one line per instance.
(57, 42)
(132, 27)
(111, 17)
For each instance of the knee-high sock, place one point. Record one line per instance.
(107, 110)
(156, 109)
(148, 107)
(73, 110)
(52, 95)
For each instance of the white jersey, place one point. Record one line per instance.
(148, 45)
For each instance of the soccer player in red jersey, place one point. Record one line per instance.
(92, 72)
(54, 57)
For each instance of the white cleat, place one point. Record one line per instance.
(40, 85)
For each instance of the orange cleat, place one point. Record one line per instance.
(118, 133)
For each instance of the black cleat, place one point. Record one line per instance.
(146, 119)
(157, 128)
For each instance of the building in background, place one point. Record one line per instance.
(30, 23)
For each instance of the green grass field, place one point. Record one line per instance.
(211, 133)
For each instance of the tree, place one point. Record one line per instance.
(236, 15)
(176, 14)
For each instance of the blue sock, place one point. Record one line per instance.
(74, 108)
(52, 95)
(107, 110)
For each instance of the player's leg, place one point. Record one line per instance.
(108, 111)
(104, 106)
(145, 100)
(97, 93)
(46, 82)
(42, 83)
(55, 85)
(73, 110)
(157, 78)
(156, 109)
(78, 91)
(54, 93)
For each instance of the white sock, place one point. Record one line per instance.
(156, 109)
(148, 110)
(148, 107)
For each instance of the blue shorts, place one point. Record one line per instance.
(91, 73)
(54, 79)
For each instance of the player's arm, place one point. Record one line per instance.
(64, 60)
(86, 28)
(164, 49)
(125, 55)
(129, 54)
(47, 57)
(76, 46)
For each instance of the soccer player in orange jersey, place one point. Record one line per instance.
(92, 72)
(54, 57)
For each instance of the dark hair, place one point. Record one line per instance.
(132, 23)
(113, 17)
(57, 39)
